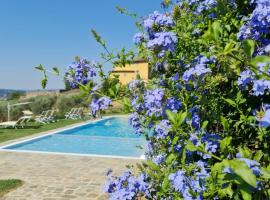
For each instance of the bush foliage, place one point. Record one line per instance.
(206, 111)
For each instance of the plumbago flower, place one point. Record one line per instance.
(196, 111)
(158, 39)
(263, 116)
(258, 24)
(198, 68)
(153, 101)
(139, 38)
(159, 20)
(211, 143)
(80, 72)
(136, 123)
(162, 129)
(135, 84)
(248, 78)
(162, 41)
(126, 186)
(100, 104)
(190, 187)
(173, 104)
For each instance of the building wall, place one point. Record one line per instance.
(129, 72)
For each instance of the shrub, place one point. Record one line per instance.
(3, 112)
(206, 111)
(42, 103)
(65, 103)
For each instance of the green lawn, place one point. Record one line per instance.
(8, 185)
(32, 128)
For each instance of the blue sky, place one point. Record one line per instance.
(53, 32)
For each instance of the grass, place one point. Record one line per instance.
(32, 128)
(8, 185)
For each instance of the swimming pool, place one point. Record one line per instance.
(111, 136)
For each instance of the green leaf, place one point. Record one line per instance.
(260, 59)
(246, 195)
(190, 146)
(56, 71)
(170, 158)
(181, 117)
(224, 123)
(231, 102)
(152, 165)
(171, 116)
(258, 155)
(249, 47)
(165, 184)
(228, 48)
(245, 152)
(214, 31)
(217, 30)
(204, 125)
(44, 82)
(241, 169)
(265, 172)
(225, 143)
(83, 88)
(226, 192)
(40, 67)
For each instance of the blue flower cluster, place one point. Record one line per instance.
(205, 5)
(258, 24)
(134, 84)
(263, 116)
(210, 141)
(162, 41)
(200, 6)
(139, 38)
(153, 101)
(173, 104)
(136, 104)
(159, 38)
(126, 186)
(80, 71)
(198, 68)
(246, 77)
(157, 19)
(190, 187)
(195, 121)
(162, 129)
(100, 104)
(159, 159)
(135, 122)
(260, 86)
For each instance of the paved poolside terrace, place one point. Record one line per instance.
(58, 176)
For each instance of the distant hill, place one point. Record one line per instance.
(5, 92)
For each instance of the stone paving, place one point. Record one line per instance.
(58, 177)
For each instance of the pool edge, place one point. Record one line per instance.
(52, 132)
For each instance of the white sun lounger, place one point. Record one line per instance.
(20, 122)
(71, 112)
(41, 118)
(51, 116)
(77, 114)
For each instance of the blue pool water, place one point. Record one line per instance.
(110, 137)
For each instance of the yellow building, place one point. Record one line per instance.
(130, 71)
